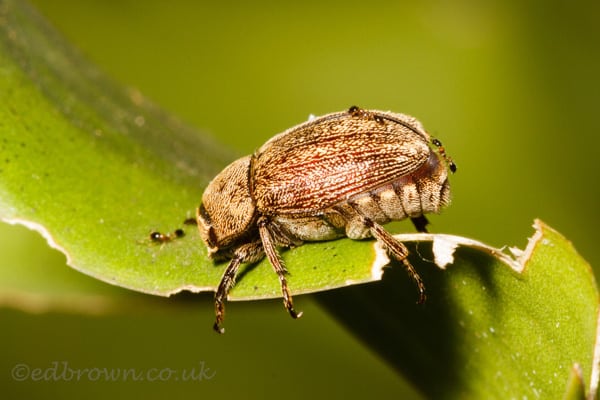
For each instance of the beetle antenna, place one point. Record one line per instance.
(445, 156)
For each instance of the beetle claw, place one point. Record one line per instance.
(219, 315)
(218, 328)
(422, 297)
(292, 312)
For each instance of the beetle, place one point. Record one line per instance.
(342, 174)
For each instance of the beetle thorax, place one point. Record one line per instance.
(227, 212)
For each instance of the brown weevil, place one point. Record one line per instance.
(342, 174)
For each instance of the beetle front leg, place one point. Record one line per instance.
(248, 253)
(227, 281)
(278, 266)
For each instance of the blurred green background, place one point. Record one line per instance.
(511, 88)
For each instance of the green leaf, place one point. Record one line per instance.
(486, 331)
(96, 168)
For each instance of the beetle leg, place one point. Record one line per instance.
(420, 223)
(190, 221)
(278, 266)
(399, 251)
(282, 236)
(225, 285)
(248, 253)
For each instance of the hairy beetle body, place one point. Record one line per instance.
(343, 174)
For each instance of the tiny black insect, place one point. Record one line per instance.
(158, 237)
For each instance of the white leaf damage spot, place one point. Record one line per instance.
(190, 288)
(443, 250)
(444, 247)
(381, 260)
